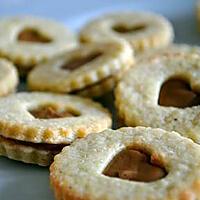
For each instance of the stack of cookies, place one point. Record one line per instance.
(59, 122)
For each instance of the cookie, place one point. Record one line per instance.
(36, 126)
(89, 70)
(143, 163)
(98, 89)
(8, 77)
(28, 40)
(175, 49)
(142, 30)
(41, 154)
(163, 92)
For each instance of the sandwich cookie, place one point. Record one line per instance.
(89, 70)
(36, 126)
(142, 30)
(28, 40)
(140, 163)
(163, 92)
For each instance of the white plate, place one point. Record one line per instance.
(28, 182)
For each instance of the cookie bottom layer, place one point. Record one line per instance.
(96, 90)
(40, 154)
(102, 87)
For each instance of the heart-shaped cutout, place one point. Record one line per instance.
(178, 93)
(134, 165)
(32, 35)
(77, 62)
(50, 111)
(122, 28)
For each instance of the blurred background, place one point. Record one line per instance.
(75, 13)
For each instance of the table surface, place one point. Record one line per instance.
(28, 182)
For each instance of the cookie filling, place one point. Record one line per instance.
(121, 28)
(51, 111)
(77, 62)
(178, 93)
(55, 148)
(100, 82)
(134, 165)
(32, 35)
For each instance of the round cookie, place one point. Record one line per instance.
(36, 126)
(89, 70)
(28, 40)
(143, 163)
(8, 77)
(41, 154)
(175, 49)
(163, 91)
(142, 30)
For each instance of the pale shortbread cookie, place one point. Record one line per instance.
(36, 154)
(77, 172)
(38, 125)
(19, 40)
(8, 77)
(137, 95)
(98, 89)
(17, 122)
(142, 30)
(90, 70)
(175, 49)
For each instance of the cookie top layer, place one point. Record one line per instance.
(172, 49)
(8, 77)
(82, 67)
(137, 95)
(27, 40)
(50, 118)
(77, 172)
(141, 29)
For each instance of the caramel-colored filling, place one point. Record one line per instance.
(32, 35)
(49, 112)
(135, 166)
(77, 62)
(178, 93)
(56, 148)
(120, 28)
(100, 82)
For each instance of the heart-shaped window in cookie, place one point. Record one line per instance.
(78, 61)
(135, 165)
(50, 111)
(122, 28)
(178, 93)
(33, 35)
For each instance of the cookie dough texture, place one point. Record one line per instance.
(26, 138)
(172, 49)
(77, 171)
(141, 29)
(25, 153)
(138, 92)
(100, 88)
(16, 122)
(8, 77)
(27, 54)
(93, 78)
